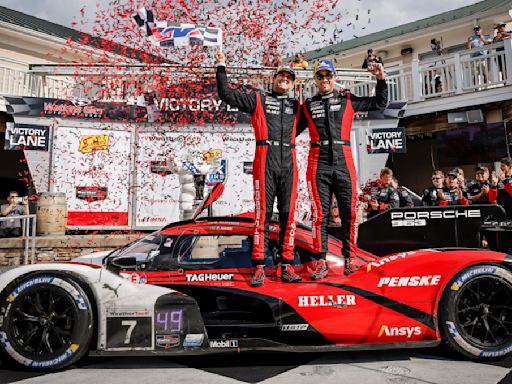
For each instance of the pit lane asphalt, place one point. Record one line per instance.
(415, 366)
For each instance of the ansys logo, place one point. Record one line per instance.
(399, 331)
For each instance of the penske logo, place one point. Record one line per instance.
(327, 301)
(409, 281)
(399, 331)
(210, 277)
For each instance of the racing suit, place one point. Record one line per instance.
(274, 118)
(385, 195)
(330, 165)
(431, 198)
(475, 188)
(451, 198)
(405, 198)
(505, 196)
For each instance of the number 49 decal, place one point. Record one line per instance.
(129, 332)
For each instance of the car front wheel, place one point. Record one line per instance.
(46, 321)
(476, 312)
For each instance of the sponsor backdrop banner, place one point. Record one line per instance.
(93, 168)
(387, 140)
(158, 193)
(26, 137)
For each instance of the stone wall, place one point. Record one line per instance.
(59, 248)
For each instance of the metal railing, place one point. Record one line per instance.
(28, 234)
(461, 72)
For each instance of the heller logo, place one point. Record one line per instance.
(210, 277)
(399, 331)
(327, 301)
(410, 281)
(223, 343)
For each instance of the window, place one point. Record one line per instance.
(217, 251)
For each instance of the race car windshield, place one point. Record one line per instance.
(141, 248)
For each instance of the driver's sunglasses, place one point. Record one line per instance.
(437, 178)
(320, 77)
(480, 173)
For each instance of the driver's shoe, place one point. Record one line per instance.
(348, 266)
(258, 279)
(320, 271)
(288, 274)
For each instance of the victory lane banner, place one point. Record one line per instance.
(387, 140)
(26, 137)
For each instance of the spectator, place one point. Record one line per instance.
(477, 40)
(432, 196)
(299, 62)
(14, 207)
(380, 194)
(482, 191)
(501, 34)
(505, 186)
(455, 195)
(403, 194)
(460, 176)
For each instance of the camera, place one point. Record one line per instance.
(371, 58)
(18, 200)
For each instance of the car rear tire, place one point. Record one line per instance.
(476, 312)
(46, 321)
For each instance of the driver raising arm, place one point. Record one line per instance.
(274, 117)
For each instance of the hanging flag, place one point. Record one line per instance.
(165, 34)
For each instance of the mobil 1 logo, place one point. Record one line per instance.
(129, 329)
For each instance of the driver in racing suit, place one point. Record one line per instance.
(274, 117)
(331, 169)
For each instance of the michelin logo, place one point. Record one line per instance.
(468, 275)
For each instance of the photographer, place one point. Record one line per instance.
(299, 62)
(483, 191)
(433, 195)
(380, 194)
(371, 58)
(16, 206)
(455, 195)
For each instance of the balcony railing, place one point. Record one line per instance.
(458, 73)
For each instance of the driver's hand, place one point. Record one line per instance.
(220, 58)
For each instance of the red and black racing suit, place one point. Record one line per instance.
(274, 118)
(505, 196)
(331, 167)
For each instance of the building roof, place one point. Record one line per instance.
(21, 19)
(403, 29)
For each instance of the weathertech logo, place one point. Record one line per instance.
(327, 301)
(410, 281)
(399, 331)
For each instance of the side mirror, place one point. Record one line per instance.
(116, 264)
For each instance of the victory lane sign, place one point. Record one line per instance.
(26, 137)
(387, 140)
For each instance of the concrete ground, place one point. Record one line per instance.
(418, 366)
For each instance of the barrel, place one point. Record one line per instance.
(52, 214)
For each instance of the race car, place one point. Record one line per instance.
(185, 290)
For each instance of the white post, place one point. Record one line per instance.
(507, 43)
(458, 73)
(416, 80)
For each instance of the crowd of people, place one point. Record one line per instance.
(447, 189)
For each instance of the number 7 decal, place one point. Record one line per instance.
(131, 325)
